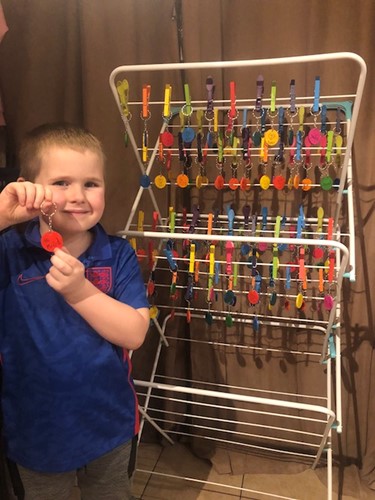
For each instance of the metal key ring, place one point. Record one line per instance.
(54, 206)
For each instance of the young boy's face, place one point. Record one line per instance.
(77, 183)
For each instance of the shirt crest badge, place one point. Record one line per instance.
(101, 277)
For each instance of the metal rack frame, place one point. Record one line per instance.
(345, 268)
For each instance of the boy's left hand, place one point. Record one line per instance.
(67, 275)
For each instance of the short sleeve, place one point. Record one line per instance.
(129, 287)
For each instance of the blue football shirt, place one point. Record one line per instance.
(67, 394)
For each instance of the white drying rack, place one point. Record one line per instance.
(182, 390)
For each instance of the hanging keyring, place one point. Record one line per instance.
(49, 215)
(51, 239)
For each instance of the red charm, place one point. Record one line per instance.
(167, 139)
(51, 240)
(253, 297)
(279, 182)
(219, 182)
(141, 254)
(318, 253)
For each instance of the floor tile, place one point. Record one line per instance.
(177, 460)
(147, 456)
(303, 486)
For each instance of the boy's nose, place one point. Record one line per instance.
(76, 193)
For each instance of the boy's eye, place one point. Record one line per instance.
(91, 184)
(60, 183)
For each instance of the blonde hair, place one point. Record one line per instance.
(55, 134)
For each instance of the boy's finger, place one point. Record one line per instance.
(63, 250)
(40, 198)
(48, 195)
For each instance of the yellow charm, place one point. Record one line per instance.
(299, 301)
(154, 311)
(265, 182)
(271, 137)
(160, 181)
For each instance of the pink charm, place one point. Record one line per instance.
(328, 302)
(314, 136)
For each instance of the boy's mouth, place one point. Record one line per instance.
(76, 212)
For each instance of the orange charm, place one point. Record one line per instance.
(182, 180)
(245, 184)
(219, 182)
(233, 183)
(306, 184)
(296, 181)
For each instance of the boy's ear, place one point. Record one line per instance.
(21, 179)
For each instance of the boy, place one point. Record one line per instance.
(68, 318)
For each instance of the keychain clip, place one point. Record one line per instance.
(122, 88)
(146, 91)
(260, 90)
(167, 102)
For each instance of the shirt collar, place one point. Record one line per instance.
(100, 248)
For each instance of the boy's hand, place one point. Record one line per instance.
(20, 202)
(67, 276)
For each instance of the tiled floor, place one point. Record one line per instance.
(177, 460)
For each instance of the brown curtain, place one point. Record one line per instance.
(54, 65)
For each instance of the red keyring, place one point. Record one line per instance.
(51, 239)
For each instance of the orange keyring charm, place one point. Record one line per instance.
(182, 180)
(306, 184)
(234, 183)
(245, 184)
(296, 181)
(219, 182)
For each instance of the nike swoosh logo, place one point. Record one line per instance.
(25, 281)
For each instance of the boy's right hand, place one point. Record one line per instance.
(20, 202)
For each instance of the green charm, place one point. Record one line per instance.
(326, 183)
(228, 320)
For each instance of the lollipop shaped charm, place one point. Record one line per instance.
(51, 239)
